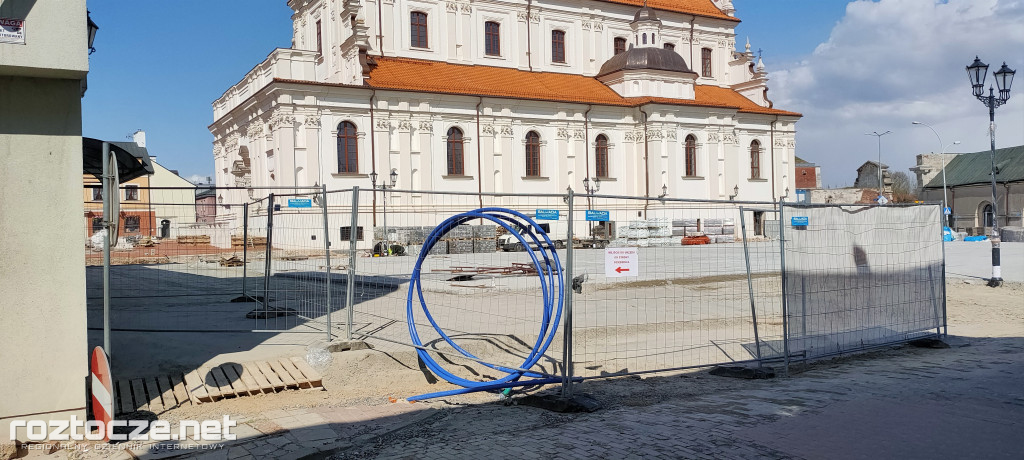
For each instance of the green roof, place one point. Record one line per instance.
(976, 168)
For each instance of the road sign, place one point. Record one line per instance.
(800, 221)
(620, 262)
(882, 199)
(947, 211)
(547, 214)
(598, 216)
(300, 203)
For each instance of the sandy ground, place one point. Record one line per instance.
(373, 377)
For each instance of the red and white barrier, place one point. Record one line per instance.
(102, 389)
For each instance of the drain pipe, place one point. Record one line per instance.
(772, 150)
(380, 29)
(373, 154)
(529, 42)
(647, 166)
(586, 147)
(479, 166)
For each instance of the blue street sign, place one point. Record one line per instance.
(947, 211)
(800, 221)
(300, 203)
(598, 216)
(547, 214)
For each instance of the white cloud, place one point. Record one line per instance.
(890, 62)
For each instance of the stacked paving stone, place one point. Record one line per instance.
(654, 232)
(464, 239)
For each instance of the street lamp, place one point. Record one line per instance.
(91, 29)
(384, 189)
(942, 156)
(881, 197)
(590, 191)
(664, 191)
(977, 72)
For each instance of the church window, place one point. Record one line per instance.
(670, 47)
(455, 156)
(705, 60)
(348, 151)
(319, 39)
(755, 160)
(418, 29)
(532, 154)
(691, 155)
(601, 155)
(492, 38)
(558, 46)
(620, 45)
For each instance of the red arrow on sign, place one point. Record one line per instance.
(620, 269)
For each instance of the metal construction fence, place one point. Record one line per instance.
(640, 284)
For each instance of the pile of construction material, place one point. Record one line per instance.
(254, 241)
(194, 239)
(654, 232)
(717, 230)
(464, 239)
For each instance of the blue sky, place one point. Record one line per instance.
(849, 67)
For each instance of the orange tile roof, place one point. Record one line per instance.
(697, 7)
(441, 77)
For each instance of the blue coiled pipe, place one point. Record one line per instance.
(549, 270)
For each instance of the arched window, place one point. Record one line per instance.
(643, 38)
(620, 45)
(988, 216)
(557, 46)
(418, 29)
(348, 151)
(601, 155)
(691, 155)
(670, 47)
(532, 154)
(705, 60)
(455, 157)
(755, 160)
(492, 38)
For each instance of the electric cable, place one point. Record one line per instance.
(549, 269)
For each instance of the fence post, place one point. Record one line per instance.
(942, 234)
(269, 254)
(750, 286)
(245, 251)
(327, 255)
(352, 238)
(785, 302)
(567, 371)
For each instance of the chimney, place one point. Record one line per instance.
(140, 138)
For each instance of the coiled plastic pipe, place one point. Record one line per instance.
(549, 270)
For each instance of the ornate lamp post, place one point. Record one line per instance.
(881, 197)
(384, 189)
(977, 72)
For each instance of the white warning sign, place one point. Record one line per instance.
(619, 262)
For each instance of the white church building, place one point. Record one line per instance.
(502, 96)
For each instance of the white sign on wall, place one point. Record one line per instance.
(12, 31)
(619, 262)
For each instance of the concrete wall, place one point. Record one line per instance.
(43, 348)
(56, 39)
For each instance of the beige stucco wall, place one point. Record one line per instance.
(967, 201)
(56, 39)
(43, 348)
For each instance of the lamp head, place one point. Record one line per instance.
(977, 72)
(373, 178)
(597, 184)
(394, 176)
(91, 29)
(1004, 79)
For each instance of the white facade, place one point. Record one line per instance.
(279, 125)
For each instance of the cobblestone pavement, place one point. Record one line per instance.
(963, 402)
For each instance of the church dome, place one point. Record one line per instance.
(645, 58)
(645, 14)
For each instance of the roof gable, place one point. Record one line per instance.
(697, 7)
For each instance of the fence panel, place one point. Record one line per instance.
(686, 301)
(861, 276)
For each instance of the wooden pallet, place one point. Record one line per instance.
(208, 384)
